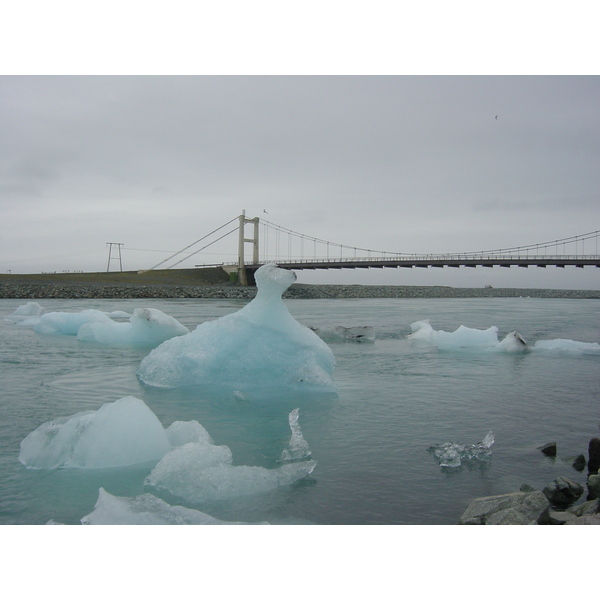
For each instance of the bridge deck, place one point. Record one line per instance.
(440, 262)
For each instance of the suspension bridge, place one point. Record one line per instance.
(292, 250)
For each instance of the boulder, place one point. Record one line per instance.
(593, 484)
(516, 508)
(556, 517)
(594, 456)
(591, 507)
(585, 520)
(563, 492)
(549, 449)
(577, 462)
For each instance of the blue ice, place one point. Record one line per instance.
(260, 345)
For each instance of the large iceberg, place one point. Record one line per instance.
(121, 433)
(146, 510)
(147, 326)
(261, 345)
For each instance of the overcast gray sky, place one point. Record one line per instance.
(416, 164)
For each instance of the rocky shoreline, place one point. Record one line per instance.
(298, 291)
(554, 505)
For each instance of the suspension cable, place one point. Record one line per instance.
(193, 244)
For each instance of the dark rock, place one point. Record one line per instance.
(525, 487)
(549, 449)
(577, 462)
(517, 508)
(593, 484)
(594, 456)
(562, 492)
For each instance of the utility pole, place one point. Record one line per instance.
(242, 277)
(110, 246)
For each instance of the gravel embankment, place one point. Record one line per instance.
(65, 291)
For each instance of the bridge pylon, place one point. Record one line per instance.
(241, 269)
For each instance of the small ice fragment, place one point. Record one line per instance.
(298, 447)
(451, 454)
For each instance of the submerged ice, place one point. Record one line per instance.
(452, 454)
(199, 471)
(145, 510)
(260, 345)
(188, 463)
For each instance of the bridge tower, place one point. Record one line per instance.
(241, 271)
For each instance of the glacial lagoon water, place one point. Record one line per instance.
(395, 399)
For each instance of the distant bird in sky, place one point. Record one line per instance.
(266, 213)
(496, 117)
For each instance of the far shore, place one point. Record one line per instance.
(214, 282)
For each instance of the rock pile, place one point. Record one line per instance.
(554, 505)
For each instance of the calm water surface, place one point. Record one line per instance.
(370, 440)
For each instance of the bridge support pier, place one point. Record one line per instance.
(243, 278)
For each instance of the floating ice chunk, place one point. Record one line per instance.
(465, 338)
(298, 448)
(31, 310)
(568, 346)
(452, 454)
(69, 323)
(357, 334)
(201, 473)
(147, 326)
(513, 342)
(125, 432)
(145, 510)
(261, 345)
(184, 432)
(422, 332)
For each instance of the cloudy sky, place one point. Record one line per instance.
(416, 164)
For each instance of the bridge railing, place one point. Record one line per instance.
(434, 258)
